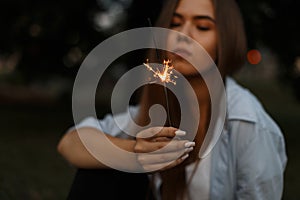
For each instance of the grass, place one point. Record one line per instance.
(30, 167)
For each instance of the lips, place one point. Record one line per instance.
(182, 52)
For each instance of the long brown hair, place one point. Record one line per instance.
(231, 53)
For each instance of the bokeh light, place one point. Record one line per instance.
(254, 56)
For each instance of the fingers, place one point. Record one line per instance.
(144, 146)
(155, 158)
(164, 166)
(160, 139)
(161, 136)
(168, 132)
(171, 146)
(161, 148)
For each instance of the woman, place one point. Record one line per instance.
(248, 160)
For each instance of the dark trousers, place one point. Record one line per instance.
(109, 184)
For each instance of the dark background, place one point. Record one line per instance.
(43, 43)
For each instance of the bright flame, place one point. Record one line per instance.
(166, 74)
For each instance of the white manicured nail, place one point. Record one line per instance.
(180, 133)
(189, 144)
(184, 157)
(188, 149)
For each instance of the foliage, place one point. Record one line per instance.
(52, 37)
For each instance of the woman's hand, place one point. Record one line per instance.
(161, 148)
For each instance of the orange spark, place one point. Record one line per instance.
(167, 73)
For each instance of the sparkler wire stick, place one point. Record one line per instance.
(165, 87)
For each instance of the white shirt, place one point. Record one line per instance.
(248, 160)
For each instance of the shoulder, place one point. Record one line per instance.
(242, 105)
(248, 122)
(254, 135)
(251, 128)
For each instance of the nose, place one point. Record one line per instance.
(185, 34)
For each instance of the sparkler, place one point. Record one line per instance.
(165, 75)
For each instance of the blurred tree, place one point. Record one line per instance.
(274, 24)
(50, 37)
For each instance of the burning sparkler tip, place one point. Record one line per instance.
(166, 75)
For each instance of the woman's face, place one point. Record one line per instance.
(195, 19)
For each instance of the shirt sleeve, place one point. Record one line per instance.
(260, 163)
(108, 124)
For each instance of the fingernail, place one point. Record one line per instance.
(180, 133)
(189, 144)
(188, 149)
(185, 156)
